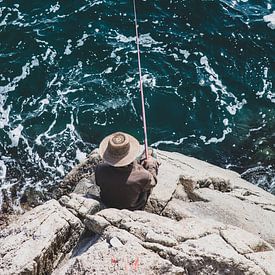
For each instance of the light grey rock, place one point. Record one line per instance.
(96, 223)
(168, 179)
(153, 237)
(131, 258)
(211, 192)
(201, 174)
(115, 242)
(88, 188)
(244, 242)
(203, 220)
(38, 240)
(228, 209)
(80, 205)
(214, 254)
(83, 186)
(188, 187)
(138, 222)
(176, 210)
(123, 235)
(161, 245)
(202, 204)
(265, 260)
(82, 171)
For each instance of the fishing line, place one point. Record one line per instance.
(140, 84)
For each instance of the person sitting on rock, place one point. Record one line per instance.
(123, 182)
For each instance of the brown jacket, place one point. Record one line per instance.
(126, 187)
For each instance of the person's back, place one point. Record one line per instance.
(123, 182)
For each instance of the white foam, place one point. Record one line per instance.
(129, 79)
(219, 89)
(41, 41)
(159, 49)
(147, 41)
(4, 21)
(203, 138)
(255, 129)
(4, 113)
(204, 60)
(108, 70)
(148, 80)
(144, 39)
(225, 122)
(26, 70)
(80, 42)
(3, 170)
(70, 91)
(176, 57)
(267, 87)
(50, 55)
(271, 96)
(15, 135)
(270, 19)
(218, 140)
(177, 142)
(124, 39)
(55, 8)
(232, 109)
(185, 53)
(52, 81)
(44, 101)
(38, 140)
(61, 170)
(56, 164)
(202, 82)
(68, 47)
(80, 156)
(4, 116)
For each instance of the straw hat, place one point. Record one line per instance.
(119, 149)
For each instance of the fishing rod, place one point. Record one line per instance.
(140, 84)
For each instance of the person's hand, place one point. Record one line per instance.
(143, 156)
(149, 163)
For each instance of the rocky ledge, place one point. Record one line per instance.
(200, 219)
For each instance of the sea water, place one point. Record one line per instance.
(69, 77)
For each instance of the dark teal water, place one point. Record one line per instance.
(68, 77)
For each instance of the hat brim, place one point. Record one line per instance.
(119, 161)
